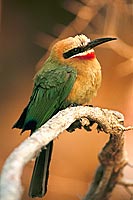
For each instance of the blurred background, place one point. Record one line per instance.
(27, 29)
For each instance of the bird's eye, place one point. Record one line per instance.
(76, 50)
(72, 52)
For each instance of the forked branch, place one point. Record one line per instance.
(112, 157)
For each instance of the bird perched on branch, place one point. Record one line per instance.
(71, 75)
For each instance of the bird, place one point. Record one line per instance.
(70, 75)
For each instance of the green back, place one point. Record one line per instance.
(52, 85)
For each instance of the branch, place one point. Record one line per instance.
(127, 184)
(112, 159)
(109, 121)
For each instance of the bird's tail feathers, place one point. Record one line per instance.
(38, 185)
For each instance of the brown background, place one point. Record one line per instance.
(74, 158)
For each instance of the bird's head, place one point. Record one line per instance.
(76, 48)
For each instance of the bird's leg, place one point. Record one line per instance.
(74, 104)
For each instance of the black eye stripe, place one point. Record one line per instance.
(73, 52)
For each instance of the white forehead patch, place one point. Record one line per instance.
(81, 40)
(86, 42)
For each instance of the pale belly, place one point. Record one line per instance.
(85, 87)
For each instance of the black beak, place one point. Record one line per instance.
(97, 42)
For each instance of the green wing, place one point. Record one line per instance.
(49, 94)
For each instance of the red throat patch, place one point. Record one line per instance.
(88, 56)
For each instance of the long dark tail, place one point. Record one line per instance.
(38, 185)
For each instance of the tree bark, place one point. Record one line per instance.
(112, 157)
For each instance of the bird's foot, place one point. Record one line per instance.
(74, 104)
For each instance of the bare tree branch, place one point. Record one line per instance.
(112, 159)
(109, 121)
